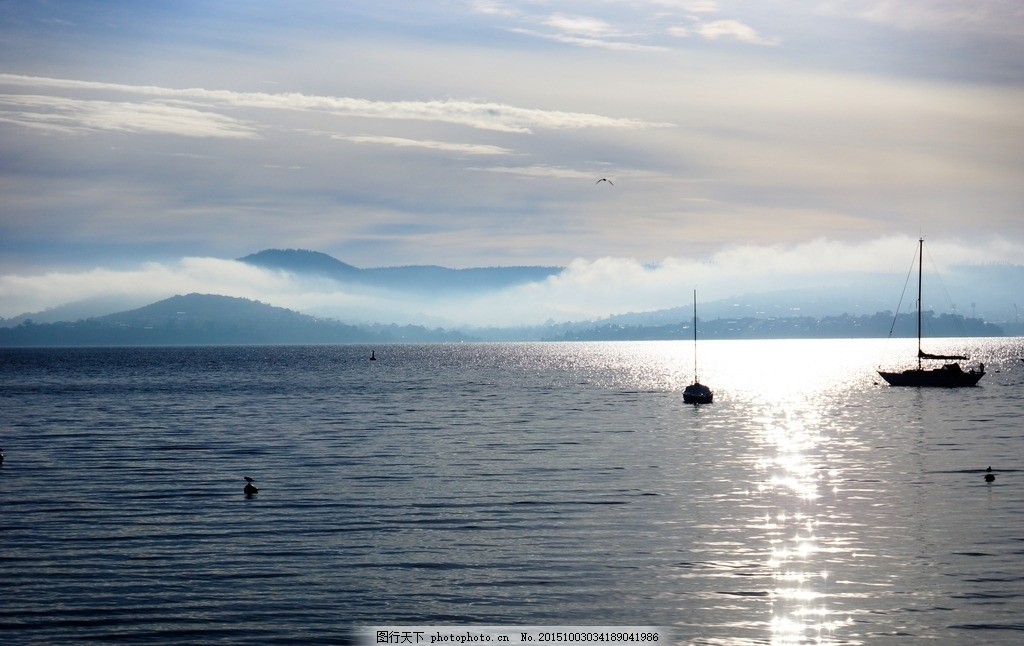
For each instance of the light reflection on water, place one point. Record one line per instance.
(793, 485)
(785, 390)
(514, 483)
(791, 430)
(809, 527)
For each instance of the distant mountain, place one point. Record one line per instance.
(83, 309)
(301, 261)
(205, 319)
(400, 279)
(203, 308)
(876, 326)
(851, 307)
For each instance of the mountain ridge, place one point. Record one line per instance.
(400, 278)
(859, 296)
(210, 319)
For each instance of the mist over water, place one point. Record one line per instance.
(500, 484)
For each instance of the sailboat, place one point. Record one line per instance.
(696, 393)
(949, 375)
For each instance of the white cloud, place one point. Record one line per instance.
(590, 289)
(733, 29)
(476, 114)
(706, 6)
(30, 293)
(493, 8)
(58, 115)
(721, 29)
(580, 25)
(581, 41)
(586, 289)
(994, 16)
(402, 142)
(541, 171)
(796, 147)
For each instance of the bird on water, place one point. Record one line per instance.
(1, 455)
(250, 489)
(989, 476)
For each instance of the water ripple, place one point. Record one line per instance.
(547, 484)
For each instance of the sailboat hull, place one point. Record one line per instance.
(697, 393)
(948, 376)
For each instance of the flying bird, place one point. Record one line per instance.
(605, 179)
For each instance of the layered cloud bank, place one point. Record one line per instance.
(584, 290)
(750, 145)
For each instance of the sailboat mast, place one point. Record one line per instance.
(920, 274)
(695, 335)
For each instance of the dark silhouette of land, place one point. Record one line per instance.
(205, 319)
(407, 278)
(793, 327)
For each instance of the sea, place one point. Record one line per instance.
(510, 484)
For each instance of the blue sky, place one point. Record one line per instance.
(751, 144)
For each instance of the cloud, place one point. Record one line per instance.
(702, 6)
(733, 29)
(845, 141)
(581, 41)
(493, 8)
(32, 293)
(1004, 17)
(592, 289)
(57, 115)
(627, 28)
(580, 26)
(544, 171)
(475, 114)
(402, 142)
(722, 29)
(541, 171)
(586, 289)
(575, 30)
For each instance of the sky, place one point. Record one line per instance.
(144, 146)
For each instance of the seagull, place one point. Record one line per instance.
(249, 488)
(605, 179)
(989, 476)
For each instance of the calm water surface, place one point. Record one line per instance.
(526, 484)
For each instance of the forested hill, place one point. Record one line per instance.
(206, 319)
(879, 325)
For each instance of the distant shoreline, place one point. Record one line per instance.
(206, 319)
(94, 333)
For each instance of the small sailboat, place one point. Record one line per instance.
(949, 375)
(696, 393)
